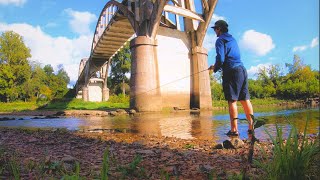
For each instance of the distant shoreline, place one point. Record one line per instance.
(121, 111)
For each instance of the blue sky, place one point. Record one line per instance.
(268, 32)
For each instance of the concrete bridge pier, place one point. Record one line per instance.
(144, 85)
(105, 93)
(85, 94)
(200, 87)
(104, 76)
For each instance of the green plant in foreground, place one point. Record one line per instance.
(164, 175)
(105, 165)
(133, 169)
(2, 160)
(189, 146)
(290, 160)
(14, 167)
(76, 176)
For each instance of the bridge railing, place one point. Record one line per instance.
(105, 17)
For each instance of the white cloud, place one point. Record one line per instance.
(209, 41)
(80, 21)
(253, 70)
(53, 50)
(299, 48)
(314, 42)
(14, 2)
(257, 42)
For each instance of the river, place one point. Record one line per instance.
(210, 125)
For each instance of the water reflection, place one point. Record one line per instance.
(180, 125)
(185, 125)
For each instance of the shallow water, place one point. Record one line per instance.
(210, 125)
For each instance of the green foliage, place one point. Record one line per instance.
(121, 98)
(15, 69)
(105, 165)
(81, 105)
(300, 83)
(17, 106)
(120, 66)
(63, 75)
(291, 159)
(189, 146)
(22, 80)
(164, 175)
(14, 168)
(133, 169)
(75, 176)
(216, 87)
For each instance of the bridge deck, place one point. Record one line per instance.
(114, 36)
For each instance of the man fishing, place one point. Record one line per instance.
(234, 79)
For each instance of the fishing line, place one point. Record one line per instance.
(169, 83)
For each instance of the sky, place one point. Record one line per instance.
(269, 32)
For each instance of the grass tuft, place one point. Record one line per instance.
(290, 159)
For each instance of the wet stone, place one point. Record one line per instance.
(234, 143)
(218, 146)
(121, 111)
(6, 119)
(113, 113)
(132, 111)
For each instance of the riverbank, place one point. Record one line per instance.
(42, 154)
(72, 105)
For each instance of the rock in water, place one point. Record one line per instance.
(233, 143)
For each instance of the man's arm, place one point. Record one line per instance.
(220, 55)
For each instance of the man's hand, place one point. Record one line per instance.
(211, 67)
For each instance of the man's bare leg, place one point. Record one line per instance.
(233, 112)
(248, 110)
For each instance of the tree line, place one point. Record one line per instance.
(22, 80)
(300, 82)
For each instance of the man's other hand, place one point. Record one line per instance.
(211, 67)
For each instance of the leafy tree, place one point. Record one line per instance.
(63, 75)
(275, 74)
(56, 83)
(216, 87)
(120, 66)
(256, 88)
(38, 82)
(296, 65)
(269, 79)
(48, 69)
(14, 65)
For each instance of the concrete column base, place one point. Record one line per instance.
(144, 85)
(85, 94)
(105, 94)
(201, 91)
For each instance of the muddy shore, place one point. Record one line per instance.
(185, 159)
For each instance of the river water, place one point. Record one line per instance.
(209, 125)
